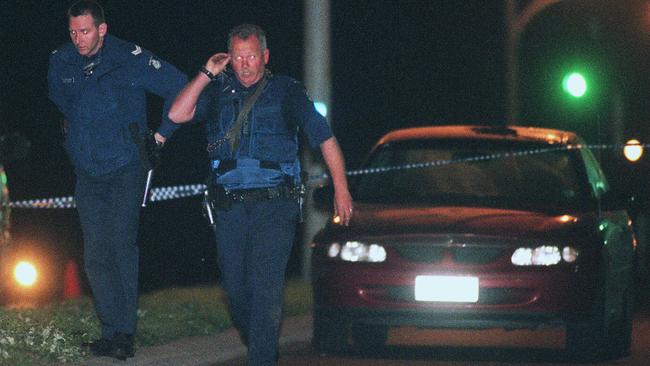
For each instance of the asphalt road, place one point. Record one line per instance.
(413, 347)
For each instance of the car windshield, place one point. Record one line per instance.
(475, 172)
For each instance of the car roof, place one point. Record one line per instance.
(513, 133)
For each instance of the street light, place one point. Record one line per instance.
(633, 150)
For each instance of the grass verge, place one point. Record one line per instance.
(53, 333)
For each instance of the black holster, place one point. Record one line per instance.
(215, 199)
(148, 148)
(208, 209)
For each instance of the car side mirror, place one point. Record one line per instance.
(616, 200)
(323, 197)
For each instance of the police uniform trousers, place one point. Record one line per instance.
(109, 210)
(254, 240)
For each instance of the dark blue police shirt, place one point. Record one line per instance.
(270, 135)
(100, 101)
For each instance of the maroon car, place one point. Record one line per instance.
(473, 227)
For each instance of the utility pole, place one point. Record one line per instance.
(318, 83)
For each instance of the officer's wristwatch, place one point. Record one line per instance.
(208, 73)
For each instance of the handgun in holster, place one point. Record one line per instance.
(149, 151)
(215, 198)
(208, 209)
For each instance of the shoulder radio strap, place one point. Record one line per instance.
(234, 133)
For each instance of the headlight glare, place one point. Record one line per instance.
(334, 250)
(569, 254)
(355, 251)
(376, 253)
(522, 257)
(544, 255)
(25, 274)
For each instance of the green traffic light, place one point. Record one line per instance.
(575, 84)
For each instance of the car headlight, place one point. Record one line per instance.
(355, 251)
(25, 273)
(544, 255)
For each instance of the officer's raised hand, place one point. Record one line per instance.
(183, 108)
(217, 63)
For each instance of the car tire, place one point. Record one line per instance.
(369, 338)
(620, 331)
(330, 335)
(601, 338)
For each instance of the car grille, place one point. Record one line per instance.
(459, 254)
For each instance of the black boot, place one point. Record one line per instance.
(123, 346)
(100, 347)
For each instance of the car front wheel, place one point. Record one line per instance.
(603, 337)
(330, 334)
(369, 338)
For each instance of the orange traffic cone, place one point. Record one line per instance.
(71, 285)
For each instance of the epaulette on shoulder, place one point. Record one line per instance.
(135, 49)
(130, 52)
(126, 48)
(130, 49)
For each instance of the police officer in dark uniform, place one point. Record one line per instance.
(255, 175)
(99, 82)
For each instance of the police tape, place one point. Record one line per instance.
(58, 202)
(174, 192)
(158, 194)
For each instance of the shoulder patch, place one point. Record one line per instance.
(136, 51)
(154, 62)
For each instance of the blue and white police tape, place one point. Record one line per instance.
(57, 202)
(156, 194)
(175, 192)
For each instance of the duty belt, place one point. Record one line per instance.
(263, 194)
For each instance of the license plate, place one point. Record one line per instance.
(446, 288)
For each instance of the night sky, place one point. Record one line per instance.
(394, 64)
